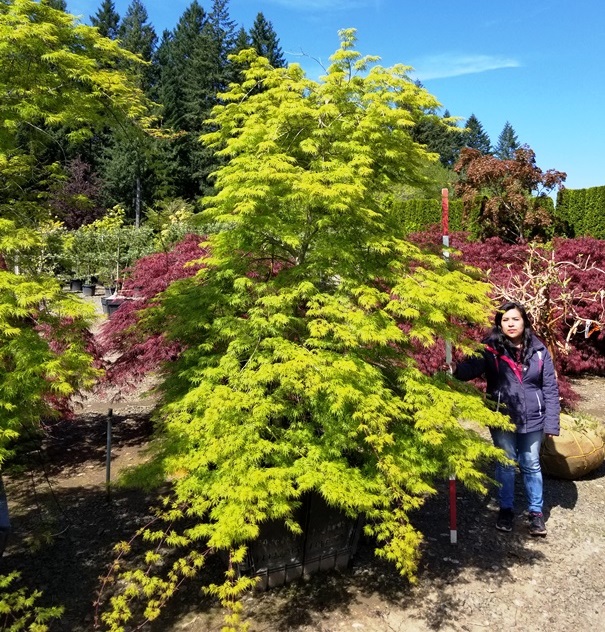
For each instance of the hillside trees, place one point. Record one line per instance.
(295, 374)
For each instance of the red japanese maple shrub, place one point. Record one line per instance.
(137, 353)
(565, 287)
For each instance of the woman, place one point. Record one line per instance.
(521, 380)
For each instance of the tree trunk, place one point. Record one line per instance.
(137, 204)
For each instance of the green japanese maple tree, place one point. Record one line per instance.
(54, 73)
(297, 373)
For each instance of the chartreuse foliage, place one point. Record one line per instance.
(55, 73)
(297, 374)
(19, 609)
(43, 355)
(58, 72)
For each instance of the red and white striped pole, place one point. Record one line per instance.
(445, 217)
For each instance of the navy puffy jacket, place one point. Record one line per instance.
(527, 393)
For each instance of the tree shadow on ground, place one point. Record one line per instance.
(487, 553)
(68, 445)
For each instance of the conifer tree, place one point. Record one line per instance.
(297, 373)
(107, 19)
(242, 40)
(194, 69)
(475, 136)
(507, 143)
(60, 5)
(440, 135)
(265, 41)
(138, 36)
(124, 165)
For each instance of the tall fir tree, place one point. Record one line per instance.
(242, 40)
(440, 135)
(107, 19)
(194, 69)
(265, 41)
(60, 5)
(138, 36)
(475, 136)
(507, 143)
(124, 165)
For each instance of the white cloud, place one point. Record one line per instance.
(454, 65)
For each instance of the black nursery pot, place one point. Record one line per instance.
(75, 285)
(89, 289)
(329, 541)
(112, 305)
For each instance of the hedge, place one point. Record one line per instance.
(582, 211)
(417, 215)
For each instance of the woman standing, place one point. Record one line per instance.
(521, 381)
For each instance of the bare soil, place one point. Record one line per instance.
(65, 520)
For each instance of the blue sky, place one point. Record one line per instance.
(537, 64)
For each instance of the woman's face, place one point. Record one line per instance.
(512, 325)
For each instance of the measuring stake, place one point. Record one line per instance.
(445, 217)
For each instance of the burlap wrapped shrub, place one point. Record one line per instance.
(576, 452)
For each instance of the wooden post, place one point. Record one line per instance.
(108, 457)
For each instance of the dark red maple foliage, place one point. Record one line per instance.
(76, 200)
(138, 353)
(572, 303)
(509, 191)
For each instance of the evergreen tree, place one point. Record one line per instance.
(242, 40)
(60, 5)
(475, 136)
(194, 68)
(440, 135)
(138, 36)
(124, 165)
(223, 30)
(507, 143)
(265, 41)
(106, 19)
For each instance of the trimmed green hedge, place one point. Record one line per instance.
(416, 215)
(582, 211)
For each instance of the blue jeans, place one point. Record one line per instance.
(525, 450)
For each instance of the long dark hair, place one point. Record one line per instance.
(500, 341)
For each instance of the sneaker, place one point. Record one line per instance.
(505, 520)
(536, 524)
